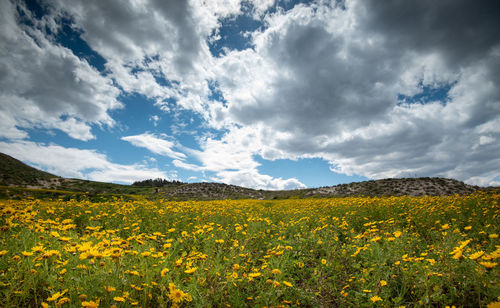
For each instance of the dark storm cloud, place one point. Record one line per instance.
(332, 79)
(462, 30)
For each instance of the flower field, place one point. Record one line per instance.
(388, 252)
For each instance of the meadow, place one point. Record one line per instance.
(361, 252)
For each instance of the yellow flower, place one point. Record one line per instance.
(276, 271)
(219, 241)
(493, 305)
(176, 295)
(191, 270)
(493, 235)
(110, 289)
(286, 283)
(55, 296)
(234, 275)
(236, 267)
(3, 252)
(323, 261)
(63, 301)
(383, 283)
(375, 298)
(397, 233)
(488, 264)
(476, 255)
(119, 299)
(164, 272)
(468, 228)
(91, 304)
(45, 305)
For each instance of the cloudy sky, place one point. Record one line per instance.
(266, 94)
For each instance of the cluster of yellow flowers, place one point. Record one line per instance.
(319, 252)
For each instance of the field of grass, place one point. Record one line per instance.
(360, 252)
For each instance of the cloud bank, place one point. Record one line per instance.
(379, 89)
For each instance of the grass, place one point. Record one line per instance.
(363, 252)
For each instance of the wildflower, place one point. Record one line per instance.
(493, 235)
(45, 305)
(27, 254)
(288, 284)
(488, 264)
(476, 255)
(164, 272)
(493, 305)
(191, 270)
(397, 233)
(236, 266)
(176, 295)
(110, 289)
(323, 261)
(55, 296)
(383, 283)
(3, 252)
(276, 271)
(119, 299)
(63, 301)
(375, 298)
(91, 304)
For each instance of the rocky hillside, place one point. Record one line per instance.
(15, 173)
(398, 187)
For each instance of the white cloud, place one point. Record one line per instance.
(78, 163)
(324, 82)
(44, 85)
(252, 178)
(155, 144)
(231, 158)
(320, 81)
(155, 119)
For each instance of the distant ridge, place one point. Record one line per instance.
(424, 186)
(15, 173)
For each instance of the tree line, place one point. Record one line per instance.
(157, 183)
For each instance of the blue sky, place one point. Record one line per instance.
(264, 94)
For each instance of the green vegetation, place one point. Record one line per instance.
(157, 183)
(14, 172)
(352, 252)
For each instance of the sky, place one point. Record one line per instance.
(267, 94)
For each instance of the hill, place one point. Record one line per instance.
(14, 173)
(398, 187)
